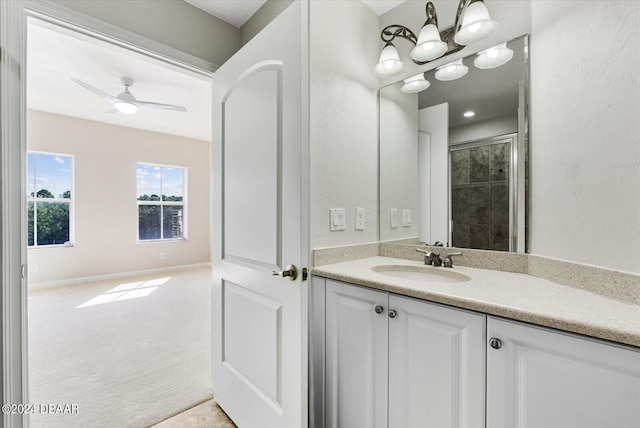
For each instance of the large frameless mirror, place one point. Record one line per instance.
(453, 157)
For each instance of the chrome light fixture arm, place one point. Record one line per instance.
(390, 32)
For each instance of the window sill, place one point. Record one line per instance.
(160, 241)
(47, 247)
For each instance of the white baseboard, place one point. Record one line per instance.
(118, 275)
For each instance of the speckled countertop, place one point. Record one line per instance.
(511, 295)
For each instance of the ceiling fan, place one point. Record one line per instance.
(125, 102)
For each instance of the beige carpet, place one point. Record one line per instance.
(129, 353)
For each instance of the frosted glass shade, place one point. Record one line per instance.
(389, 64)
(125, 107)
(429, 46)
(452, 71)
(476, 24)
(493, 57)
(415, 84)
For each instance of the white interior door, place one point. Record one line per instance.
(259, 320)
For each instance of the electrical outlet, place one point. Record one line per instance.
(359, 218)
(35, 268)
(163, 256)
(394, 218)
(406, 218)
(338, 219)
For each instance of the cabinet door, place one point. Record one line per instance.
(356, 357)
(436, 366)
(543, 379)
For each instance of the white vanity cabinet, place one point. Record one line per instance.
(398, 362)
(537, 378)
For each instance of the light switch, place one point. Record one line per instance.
(394, 218)
(359, 218)
(337, 219)
(406, 218)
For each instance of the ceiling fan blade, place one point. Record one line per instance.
(97, 91)
(148, 104)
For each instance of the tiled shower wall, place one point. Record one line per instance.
(480, 196)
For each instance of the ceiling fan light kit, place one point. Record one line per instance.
(125, 102)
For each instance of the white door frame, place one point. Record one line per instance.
(13, 147)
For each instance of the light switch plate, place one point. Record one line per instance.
(394, 217)
(337, 219)
(359, 218)
(406, 218)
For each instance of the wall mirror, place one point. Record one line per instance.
(454, 156)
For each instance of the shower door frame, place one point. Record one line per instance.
(514, 188)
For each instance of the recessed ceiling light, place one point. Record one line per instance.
(469, 113)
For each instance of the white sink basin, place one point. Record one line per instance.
(421, 273)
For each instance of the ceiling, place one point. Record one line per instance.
(235, 12)
(55, 55)
(382, 6)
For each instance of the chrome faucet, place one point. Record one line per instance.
(430, 258)
(448, 262)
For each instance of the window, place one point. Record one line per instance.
(49, 198)
(161, 203)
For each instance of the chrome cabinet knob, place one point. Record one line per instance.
(495, 343)
(392, 313)
(378, 309)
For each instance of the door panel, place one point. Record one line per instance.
(259, 143)
(252, 149)
(253, 321)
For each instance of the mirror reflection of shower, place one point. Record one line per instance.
(481, 193)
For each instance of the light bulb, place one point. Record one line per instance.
(126, 108)
(473, 28)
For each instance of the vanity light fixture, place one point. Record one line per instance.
(415, 84)
(469, 113)
(389, 64)
(493, 57)
(452, 71)
(476, 24)
(472, 23)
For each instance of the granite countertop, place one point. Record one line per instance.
(510, 295)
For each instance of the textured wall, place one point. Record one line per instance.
(344, 118)
(105, 158)
(585, 132)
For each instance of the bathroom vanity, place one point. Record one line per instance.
(395, 343)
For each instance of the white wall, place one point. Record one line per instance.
(435, 121)
(105, 158)
(175, 23)
(344, 119)
(585, 132)
(399, 168)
